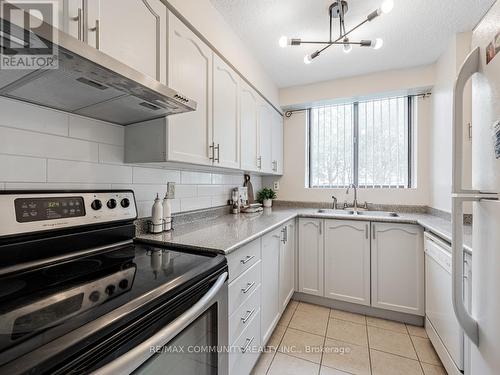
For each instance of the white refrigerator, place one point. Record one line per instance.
(482, 325)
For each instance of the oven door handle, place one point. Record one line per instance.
(131, 360)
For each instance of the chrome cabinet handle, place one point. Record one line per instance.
(320, 228)
(78, 18)
(283, 237)
(366, 231)
(218, 153)
(247, 259)
(249, 286)
(211, 147)
(373, 228)
(97, 29)
(286, 234)
(259, 162)
(248, 343)
(245, 318)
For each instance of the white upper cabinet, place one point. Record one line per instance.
(131, 31)
(265, 120)
(270, 309)
(190, 72)
(277, 143)
(287, 264)
(397, 267)
(226, 122)
(347, 261)
(249, 129)
(311, 256)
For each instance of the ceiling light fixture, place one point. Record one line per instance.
(338, 9)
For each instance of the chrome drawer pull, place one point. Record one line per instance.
(249, 342)
(249, 286)
(249, 314)
(247, 259)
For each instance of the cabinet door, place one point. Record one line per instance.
(311, 256)
(270, 310)
(287, 265)
(398, 267)
(133, 32)
(277, 144)
(347, 261)
(249, 128)
(265, 120)
(226, 130)
(73, 17)
(190, 72)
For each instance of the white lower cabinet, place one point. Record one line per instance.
(397, 267)
(270, 310)
(347, 261)
(311, 256)
(287, 265)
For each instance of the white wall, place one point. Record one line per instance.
(292, 183)
(359, 86)
(210, 23)
(446, 71)
(47, 149)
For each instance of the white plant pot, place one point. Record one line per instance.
(267, 202)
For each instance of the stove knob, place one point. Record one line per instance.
(111, 203)
(125, 202)
(94, 296)
(110, 289)
(123, 284)
(96, 204)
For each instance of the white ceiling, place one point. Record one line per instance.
(415, 33)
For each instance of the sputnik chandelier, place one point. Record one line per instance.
(338, 9)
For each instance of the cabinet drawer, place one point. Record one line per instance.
(245, 353)
(243, 258)
(241, 288)
(243, 315)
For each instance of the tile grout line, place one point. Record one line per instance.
(415, 349)
(369, 348)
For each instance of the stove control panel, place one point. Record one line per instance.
(29, 212)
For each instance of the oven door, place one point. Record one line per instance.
(194, 343)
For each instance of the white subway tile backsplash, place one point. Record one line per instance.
(70, 171)
(186, 191)
(46, 145)
(211, 190)
(22, 169)
(2, 186)
(95, 130)
(143, 192)
(17, 114)
(199, 178)
(189, 204)
(55, 186)
(155, 176)
(219, 201)
(111, 154)
(224, 179)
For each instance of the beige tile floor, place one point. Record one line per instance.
(311, 339)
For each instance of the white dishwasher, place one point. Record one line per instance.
(441, 324)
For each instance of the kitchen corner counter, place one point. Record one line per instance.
(227, 233)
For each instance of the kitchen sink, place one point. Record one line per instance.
(361, 212)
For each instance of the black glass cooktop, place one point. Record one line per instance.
(40, 305)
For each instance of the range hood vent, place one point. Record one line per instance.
(87, 82)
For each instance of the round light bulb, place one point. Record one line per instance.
(307, 59)
(347, 46)
(387, 6)
(283, 42)
(378, 43)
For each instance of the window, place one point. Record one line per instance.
(367, 143)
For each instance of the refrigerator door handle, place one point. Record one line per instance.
(459, 195)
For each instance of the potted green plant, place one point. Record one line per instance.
(266, 196)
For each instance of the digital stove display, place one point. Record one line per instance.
(37, 209)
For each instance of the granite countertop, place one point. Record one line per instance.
(227, 233)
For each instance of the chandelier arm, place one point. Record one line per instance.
(347, 33)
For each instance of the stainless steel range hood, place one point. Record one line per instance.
(87, 82)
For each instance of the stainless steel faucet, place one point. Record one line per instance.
(355, 202)
(334, 204)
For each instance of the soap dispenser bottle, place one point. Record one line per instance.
(157, 215)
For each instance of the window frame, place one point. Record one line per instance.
(355, 104)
